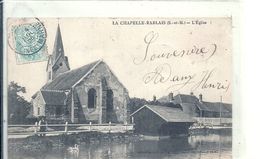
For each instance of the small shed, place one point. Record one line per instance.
(155, 120)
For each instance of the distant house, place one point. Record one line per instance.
(91, 93)
(154, 120)
(196, 107)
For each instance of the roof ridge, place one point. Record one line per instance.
(68, 79)
(156, 112)
(52, 90)
(215, 102)
(78, 68)
(167, 114)
(162, 106)
(91, 69)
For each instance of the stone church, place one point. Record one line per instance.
(91, 93)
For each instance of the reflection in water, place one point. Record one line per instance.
(193, 147)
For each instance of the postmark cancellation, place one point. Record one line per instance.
(28, 41)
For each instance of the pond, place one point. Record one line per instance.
(210, 145)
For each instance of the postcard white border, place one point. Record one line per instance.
(142, 9)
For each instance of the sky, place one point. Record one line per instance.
(150, 56)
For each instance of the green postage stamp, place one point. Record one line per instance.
(29, 42)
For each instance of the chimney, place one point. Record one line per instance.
(170, 96)
(154, 98)
(200, 97)
(191, 93)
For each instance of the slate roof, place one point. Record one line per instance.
(58, 49)
(215, 107)
(168, 114)
(54, 97)
(189, 106)
(179, 98)
(189, 100)
(192, 100)
(67, 79)
(183, 98)
(227, 106)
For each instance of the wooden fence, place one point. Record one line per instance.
(52, 129)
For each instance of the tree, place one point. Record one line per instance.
(136, 103)
(18, 107)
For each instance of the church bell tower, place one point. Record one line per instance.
(57, 63)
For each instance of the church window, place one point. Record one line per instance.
(39, 111)
(60, 64)
(92, 97)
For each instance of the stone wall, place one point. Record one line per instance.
(120, 95)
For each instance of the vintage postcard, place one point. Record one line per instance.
(119, 88)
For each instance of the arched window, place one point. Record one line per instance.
(92, 97)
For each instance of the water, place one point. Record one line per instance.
(207, 146)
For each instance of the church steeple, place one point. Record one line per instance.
(58, 45)
(58, 63)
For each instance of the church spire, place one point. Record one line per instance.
(58, 50)
(58, 63)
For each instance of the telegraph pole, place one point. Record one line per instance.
(220, 112)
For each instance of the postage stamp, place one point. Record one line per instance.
(29, 42)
